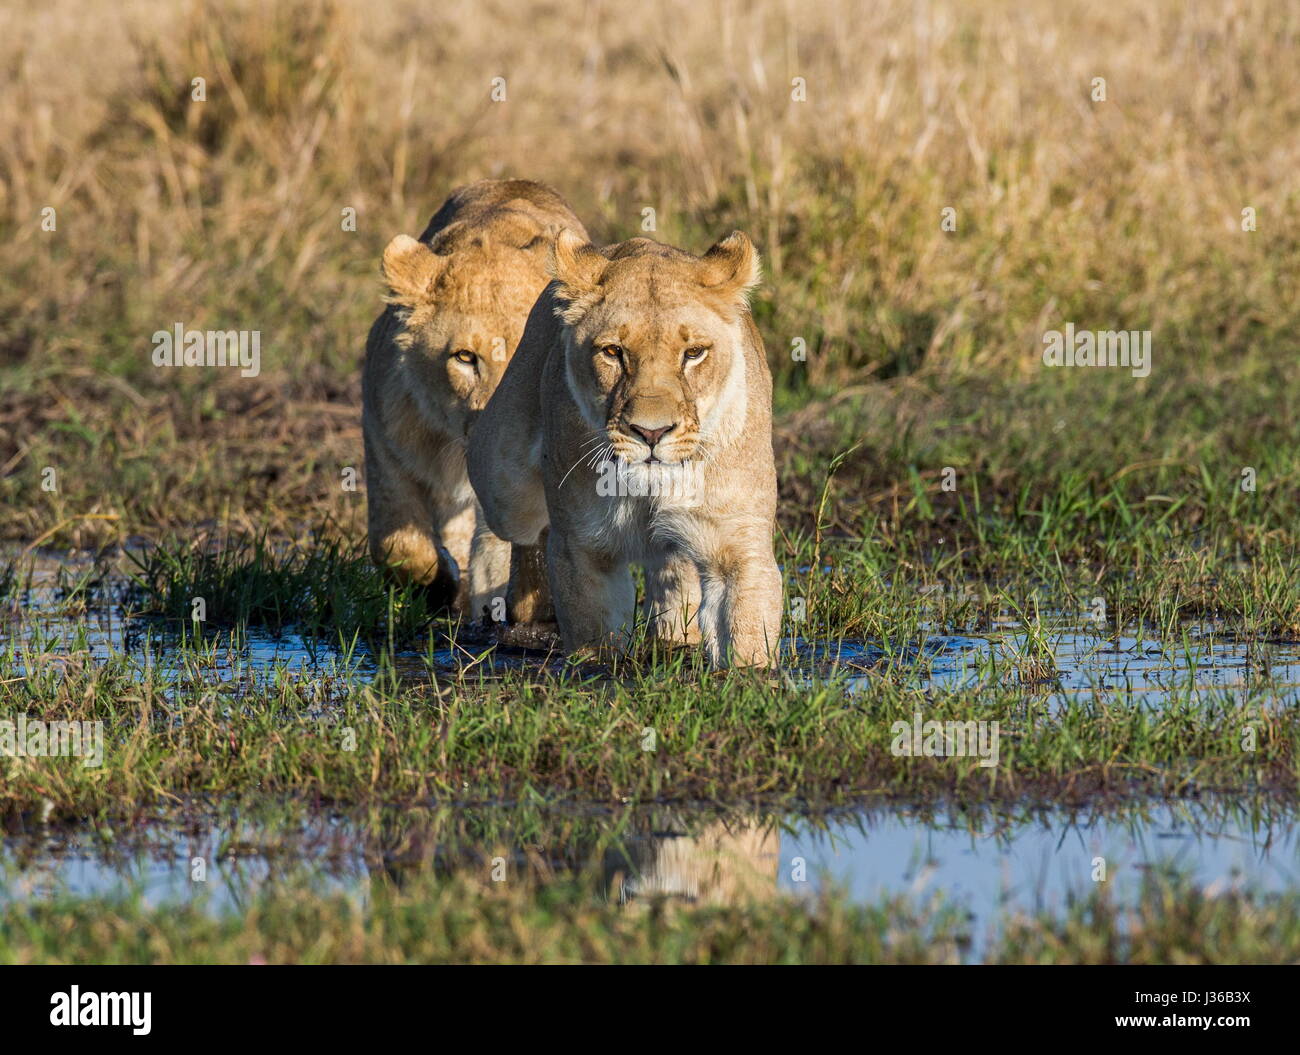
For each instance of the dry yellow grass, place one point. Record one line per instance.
(1127, 209)
(1123, 213)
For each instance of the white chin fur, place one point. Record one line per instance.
(674, 483)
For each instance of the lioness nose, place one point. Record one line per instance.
(651, 436)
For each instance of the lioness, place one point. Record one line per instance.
(634, 424)
(457, 302)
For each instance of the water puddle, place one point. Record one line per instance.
(988, 867)
(1082, 663)
(991, 865)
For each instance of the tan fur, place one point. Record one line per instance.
(465, 286)
(719, 864)
(701, 518)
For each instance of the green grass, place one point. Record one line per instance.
(373, 728)
(464, 919)
(1151, 522)
(325, 588)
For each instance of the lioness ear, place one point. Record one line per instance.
(576, 263)
(731, 268)
(520, 231)
(410, 268)
(544, 240)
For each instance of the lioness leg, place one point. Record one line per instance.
(489, 571)
(672, 599)
(455, 528)
(594, 596)
(400, 517)
(530, 591)
(741, 615)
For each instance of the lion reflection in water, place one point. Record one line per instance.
(662, 856)
(719, 864)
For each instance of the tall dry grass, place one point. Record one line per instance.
(1123, 213)
(227, 213)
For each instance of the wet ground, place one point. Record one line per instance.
(987, 865)
(1086, 662)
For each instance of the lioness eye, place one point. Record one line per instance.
(464, 357)
(612, 350)
(695, 353)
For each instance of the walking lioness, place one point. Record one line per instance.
(634, 424)
(457, 302)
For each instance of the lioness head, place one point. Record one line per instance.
(655, 343)
(463, 301)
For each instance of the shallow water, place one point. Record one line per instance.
(997, 864)
(988, 868)
(1086, 664)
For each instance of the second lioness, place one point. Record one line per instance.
(635, 425)
(458, 299)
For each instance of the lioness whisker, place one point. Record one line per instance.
(581, 457)
(600, 455)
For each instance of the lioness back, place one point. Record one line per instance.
(456, 305)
